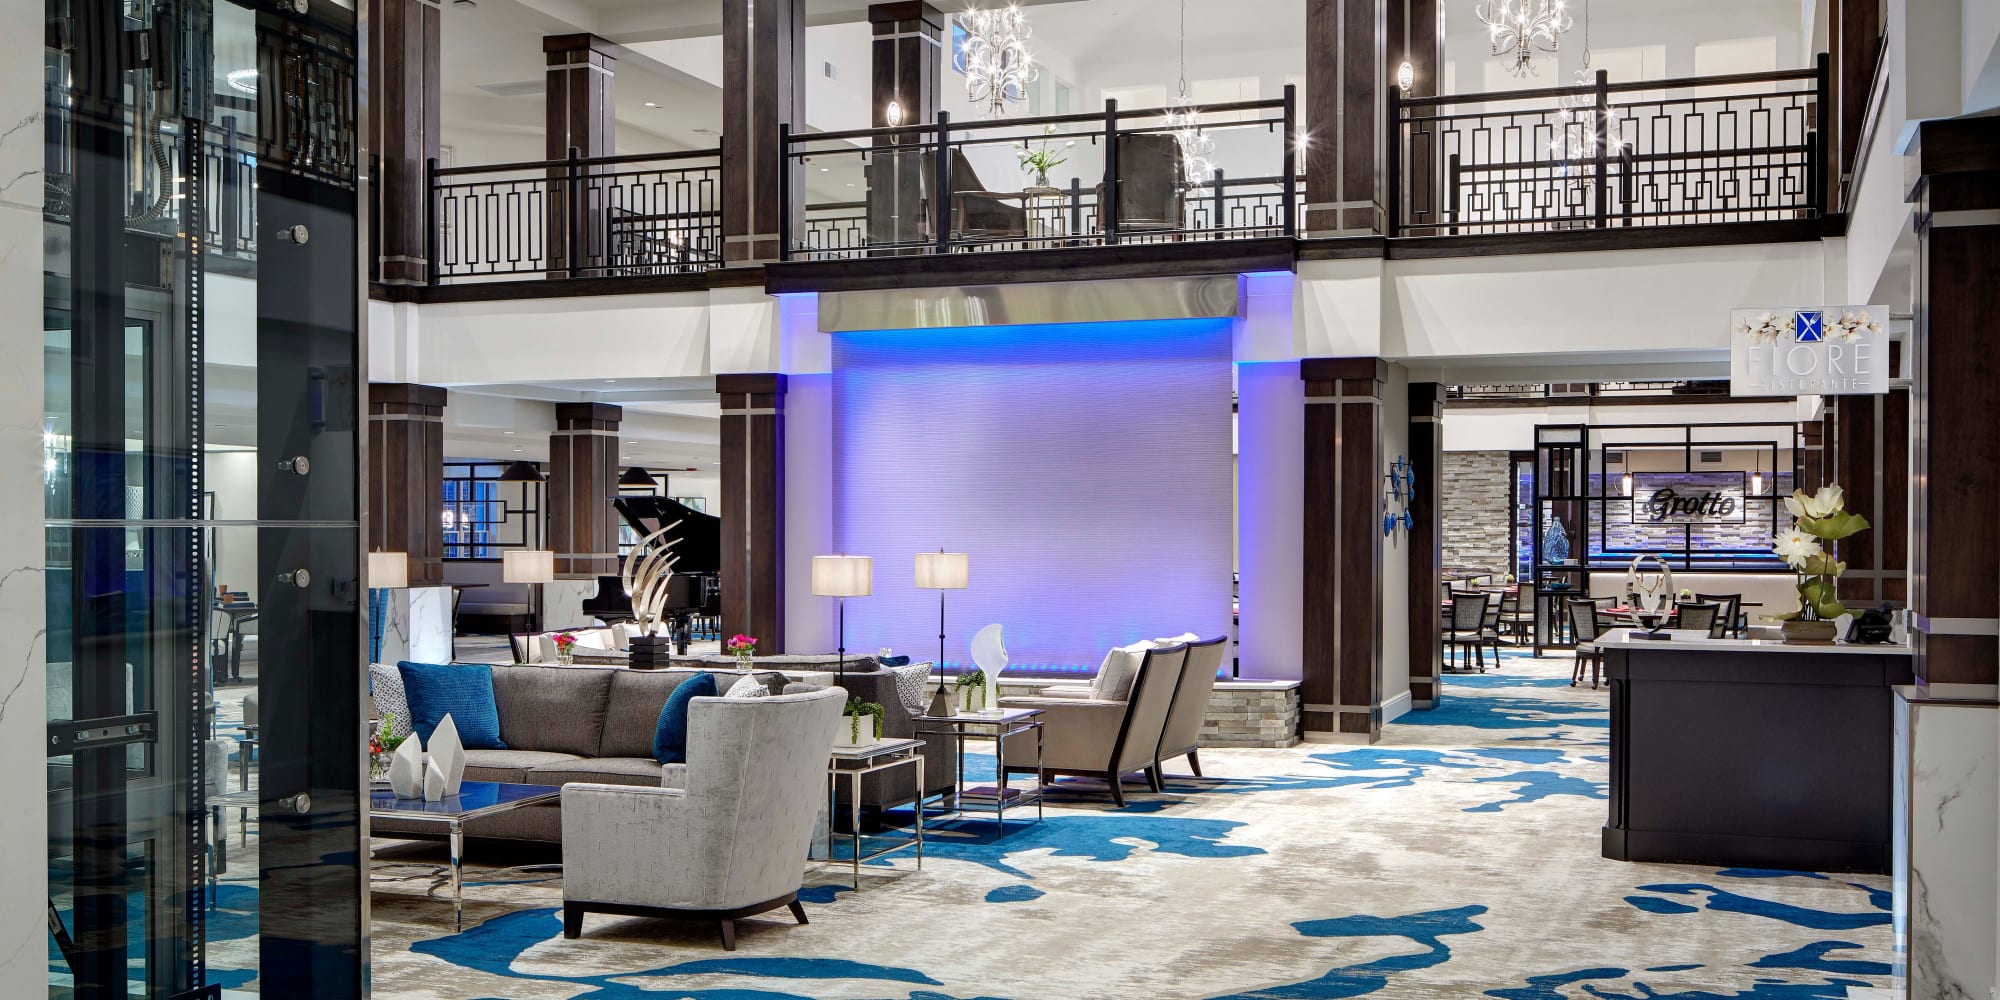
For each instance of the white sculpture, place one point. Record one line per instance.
(1652, 592)
(648, 570)
(406, 769)
(446, 766)
(991, 658)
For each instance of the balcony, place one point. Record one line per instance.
(1653, 153)
(1056, 182)
(649, 214)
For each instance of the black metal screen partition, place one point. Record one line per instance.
(168, 466)
(1704, 498)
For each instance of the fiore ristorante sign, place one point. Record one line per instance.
(1831, 351)
(1670, 498)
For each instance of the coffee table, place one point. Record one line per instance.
(474, 799)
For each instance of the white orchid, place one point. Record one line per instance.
(1796, 547)
(1826, 502)
(1761, 328)
(1852, 325)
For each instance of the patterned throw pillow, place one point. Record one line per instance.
(385, 687)
(748, 686)
(910, 686)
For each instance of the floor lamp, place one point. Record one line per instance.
(842, 577)
(941, 571)
(534, 567)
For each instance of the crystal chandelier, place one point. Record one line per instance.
(998, 67)
(1184, 123)
(1520, 27)
(1576, 113)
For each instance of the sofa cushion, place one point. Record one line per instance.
(671, 737)
(634, 713)
(463, 691)
(560, 709)
(511, 766)
(748, 686)
(603, 770)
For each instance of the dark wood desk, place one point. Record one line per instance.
(1748, 753)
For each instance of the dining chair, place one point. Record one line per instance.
(1584, 627)
(1468, 624)
(1732, 612)
(1490, 628)
(1698, 617)
(1519, 623)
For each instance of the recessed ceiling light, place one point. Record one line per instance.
(611, 381)
(824, 169)
(507, 432)
(520, 449)
(652, 104)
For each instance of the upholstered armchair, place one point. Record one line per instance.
(1152, 196)
(1102, 738)
(1182, 735)
(731, 843)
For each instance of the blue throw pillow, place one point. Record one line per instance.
(670, 740)
(463, 691)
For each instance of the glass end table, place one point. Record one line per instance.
(853, 764)
(997, 728)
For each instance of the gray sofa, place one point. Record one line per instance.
(563, 724)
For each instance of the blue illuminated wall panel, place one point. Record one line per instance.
(1085, 467)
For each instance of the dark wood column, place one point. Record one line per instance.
(1416, 35)
(583, 480)
(582, 70)
(406, 476)
(1872, 448)
(1812, 455)
(403, 108)
(1854, 40)
(1426, 541)
(1342, 603)
(1347, 81)
(753, 507)
(908, 56)
(763, 86)
(1954, 537)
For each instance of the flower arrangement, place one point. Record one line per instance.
(565, 647)
(1851, 325)
(381, 743)
(744, 646)
(856, 709)
(1042, 159)
(1762, 328)
(1816, 519)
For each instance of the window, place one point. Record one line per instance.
(482, 515)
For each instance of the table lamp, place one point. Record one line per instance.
(941, 571)
(842, 577)
(388, 570)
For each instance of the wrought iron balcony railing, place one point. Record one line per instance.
(579, 217)
(1123, 176)
(1742, 148)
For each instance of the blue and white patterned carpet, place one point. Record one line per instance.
(1458, 858)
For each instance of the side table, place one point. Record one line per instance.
(998, 728)
(853, 764)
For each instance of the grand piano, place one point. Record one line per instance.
(694, 592)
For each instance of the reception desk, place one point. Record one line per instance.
(1751, 753)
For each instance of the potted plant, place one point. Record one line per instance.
(1816, 519)
(972, 693)
(853, 731)
(565, 648)
(381, 744)
(1042, 159)
(745, 647)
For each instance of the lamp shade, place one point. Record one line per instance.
(843, 576)
(528, 566)
(388, 570)
(521, 472)
(636, 476)
(942, 570)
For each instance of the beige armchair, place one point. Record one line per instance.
(1096, 738)
(1182, 734)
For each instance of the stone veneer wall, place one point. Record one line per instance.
(1753, 533)
(1477, 509)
